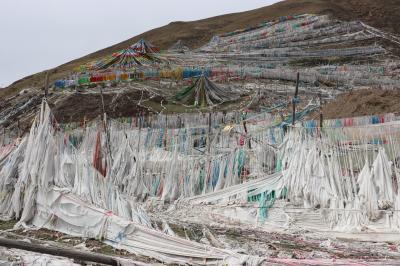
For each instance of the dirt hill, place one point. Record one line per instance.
(383, 14)
(363, 102)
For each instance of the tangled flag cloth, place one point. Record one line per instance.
(55, 190)
(98, 159)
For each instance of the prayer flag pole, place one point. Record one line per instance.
(46, 84)
(105, 125)
(321, 115)
(295, 99)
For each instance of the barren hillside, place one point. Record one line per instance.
(364, 102)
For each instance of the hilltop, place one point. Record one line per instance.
(381, 14)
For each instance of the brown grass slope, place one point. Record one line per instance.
(383, 14)
(363, 102)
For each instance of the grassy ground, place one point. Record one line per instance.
(6, 225)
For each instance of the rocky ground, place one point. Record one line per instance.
(294, 248)
(44, 237)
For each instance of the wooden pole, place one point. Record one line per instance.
(56, 251)
(295, 98)
(208, 144)
(102, 100)
(245, 130)
(209, 138)
(19, 129)
(103, 109)
(321, 115)
(179, 122)
(46, 84)
(166, 131)
(209, 122)
(139, 122)
(105, 126)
